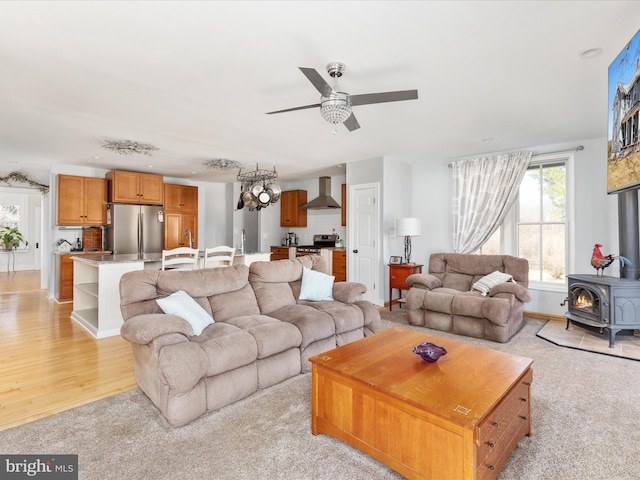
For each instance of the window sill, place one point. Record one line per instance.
(548, 287)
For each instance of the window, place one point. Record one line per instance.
(10, 216)
(14, 212)
(541, 222)
(536, 227)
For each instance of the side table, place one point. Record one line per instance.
(398, 274)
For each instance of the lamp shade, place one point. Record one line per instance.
(408, 227)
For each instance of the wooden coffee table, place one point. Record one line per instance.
(458, 418)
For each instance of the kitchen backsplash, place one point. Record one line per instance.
(319, 222)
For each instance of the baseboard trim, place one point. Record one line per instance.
(546, 316)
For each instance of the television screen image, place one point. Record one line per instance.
(623, 165)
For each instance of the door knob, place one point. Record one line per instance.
(355, 251)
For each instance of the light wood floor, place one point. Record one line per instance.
(48, 363)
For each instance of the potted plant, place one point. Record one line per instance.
(10, 238)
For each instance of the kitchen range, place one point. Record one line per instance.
(319, 242)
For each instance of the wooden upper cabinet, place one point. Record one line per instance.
(134, 187)
(291, 215)
(183, 198)
(82, 200)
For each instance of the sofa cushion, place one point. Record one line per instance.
(277, 284)
(486, 283)
(226, 347)
(232, 304)
(182, 305)
(316, 286)
(347, 317)
(271, 335)
(313, 324)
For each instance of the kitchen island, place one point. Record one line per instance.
(248, 258)
(96, 289)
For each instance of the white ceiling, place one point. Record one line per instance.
(196, 78)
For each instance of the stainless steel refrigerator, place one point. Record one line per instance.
(135, 228)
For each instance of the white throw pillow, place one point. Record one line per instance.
(486, 283)
(182, 305)
(316, 286)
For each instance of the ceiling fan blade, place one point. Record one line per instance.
(314, 77)
(304, 107)
(369, 98)
(351, 123)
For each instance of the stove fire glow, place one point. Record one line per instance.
(583, 302)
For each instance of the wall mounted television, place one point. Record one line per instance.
(623, 163)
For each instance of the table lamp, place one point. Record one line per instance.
(407, 228)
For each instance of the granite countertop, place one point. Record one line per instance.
(98, 259)
(82, 252)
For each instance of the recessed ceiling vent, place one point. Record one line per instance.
(324, 199)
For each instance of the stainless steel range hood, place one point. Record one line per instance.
(324, 199)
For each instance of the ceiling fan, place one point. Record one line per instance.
(335, 106)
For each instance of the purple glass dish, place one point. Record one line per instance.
(430, 352)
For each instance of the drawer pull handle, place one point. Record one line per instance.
(523, 417)
(490, 444)
(523, 399)
(528, 384)
(490, 467)
(495, 424)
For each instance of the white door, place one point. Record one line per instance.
(37, 261)
(364, 234)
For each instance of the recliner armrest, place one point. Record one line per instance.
(147, 327)
(424, 281)
(348, 292)
(520, 292)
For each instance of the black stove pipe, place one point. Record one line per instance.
(629, 233)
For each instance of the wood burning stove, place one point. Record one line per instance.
(604, 303)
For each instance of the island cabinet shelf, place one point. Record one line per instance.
(90, 288)
(88, 316)
(96, 293)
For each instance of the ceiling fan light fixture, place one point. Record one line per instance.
(335, 108)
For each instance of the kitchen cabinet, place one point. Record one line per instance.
(175, 227)
(339, 265)
(64, 293)
(81, 200)
(291, 215)
(279, 253)
(343, 207)
(180, 198)
(180, 214)
(135, 187)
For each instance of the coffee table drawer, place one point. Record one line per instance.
(489, 467)
(497, 427)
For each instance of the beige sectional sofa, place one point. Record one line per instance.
(262, 333)
(444, 298)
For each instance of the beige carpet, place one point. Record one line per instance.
(584, 417)
(625, 346)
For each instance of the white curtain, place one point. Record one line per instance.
(483, 191)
